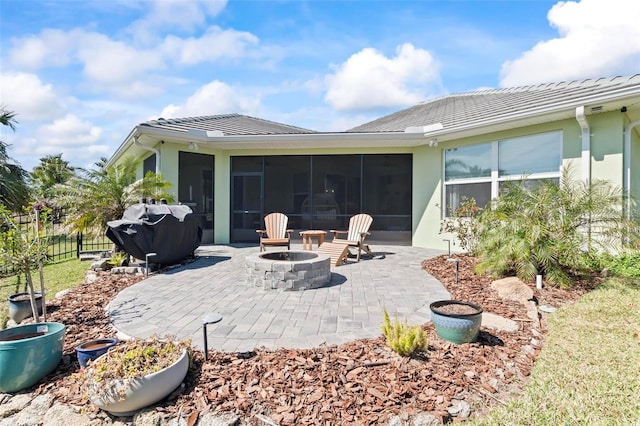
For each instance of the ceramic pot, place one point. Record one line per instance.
(456, 321)
(125, 397)
(20, 306)
(28, 353)
(93, 349)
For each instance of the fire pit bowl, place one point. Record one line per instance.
(288, 270)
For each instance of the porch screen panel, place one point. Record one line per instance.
(387, 189)
(336, 190)
(287, 184)
(196, 186)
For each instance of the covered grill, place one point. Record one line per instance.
(171, 231)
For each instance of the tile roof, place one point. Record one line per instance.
(229, 124)
(482, 105)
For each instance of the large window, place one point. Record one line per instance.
(477, 171)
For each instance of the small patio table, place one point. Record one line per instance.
(307, 238)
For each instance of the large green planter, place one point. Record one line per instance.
(456, 321)
(28, 353)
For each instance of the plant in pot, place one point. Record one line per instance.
(135, 374)
(93, 349)
(25, 247)
(456, 321)
(27, 352)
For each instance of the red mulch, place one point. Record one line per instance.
(362, 382)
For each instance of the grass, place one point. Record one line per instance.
(587, 372)
(57, 276)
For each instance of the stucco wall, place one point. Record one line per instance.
(606, 163)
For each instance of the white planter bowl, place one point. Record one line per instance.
(127, 396)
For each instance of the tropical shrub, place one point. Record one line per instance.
(402, 338)
(95, 197)
(463, 222)
(547, 227)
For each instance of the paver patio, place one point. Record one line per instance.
(349, 308)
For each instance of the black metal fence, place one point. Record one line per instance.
(63, 245)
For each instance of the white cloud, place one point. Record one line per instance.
(69, 131)
(51, 48)
(597, 38)
(116, 67)
(213, 45)
(179, 15)
(214, 98)
(370, 80)
(27, 96)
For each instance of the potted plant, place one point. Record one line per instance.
(26, 248)
(28, 353)
(135, 374)
(456, 321)
(93, 349)
(20, 305)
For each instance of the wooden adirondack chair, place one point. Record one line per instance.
(358, 230)
(275, 232)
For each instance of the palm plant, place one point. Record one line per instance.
(548, 228)
(96, 196)
(14, 192)
(51, 171)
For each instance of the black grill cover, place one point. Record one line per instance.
(171, 231)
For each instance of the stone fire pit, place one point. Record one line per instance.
(288, 270)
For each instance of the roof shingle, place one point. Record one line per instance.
(229, 124)
(482, 105)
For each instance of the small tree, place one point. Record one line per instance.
(547, 228)
(463, 222)
(25, 247)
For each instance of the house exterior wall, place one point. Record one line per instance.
(607, 144)
(606, 163)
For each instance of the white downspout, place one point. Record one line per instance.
(586, 144)
(627, 163)
(148, 148)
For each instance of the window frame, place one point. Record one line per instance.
(494, 179)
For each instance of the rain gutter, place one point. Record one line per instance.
(148, 148)
(627, 164)
(586, 144)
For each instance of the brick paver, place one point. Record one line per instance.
(350, 307)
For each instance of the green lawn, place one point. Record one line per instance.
(588, 371)
(57, 276)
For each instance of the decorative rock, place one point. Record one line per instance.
(148, 418)
(13, 404)
(62, 293)
(511, 288)
(100, 265)
(497, 322)
(64, 415)
(220, 419)
(425, 419)
(29, 414)
(459, 408)
(528, 349)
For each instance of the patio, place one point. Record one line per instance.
(348, 308)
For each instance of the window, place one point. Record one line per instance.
(477, 171)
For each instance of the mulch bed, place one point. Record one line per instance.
(362, 382)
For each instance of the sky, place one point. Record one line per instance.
(81, 74)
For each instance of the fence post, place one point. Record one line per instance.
(78, 244)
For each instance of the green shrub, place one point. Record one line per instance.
(623, 265)
(546, 227)
(402, 338)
